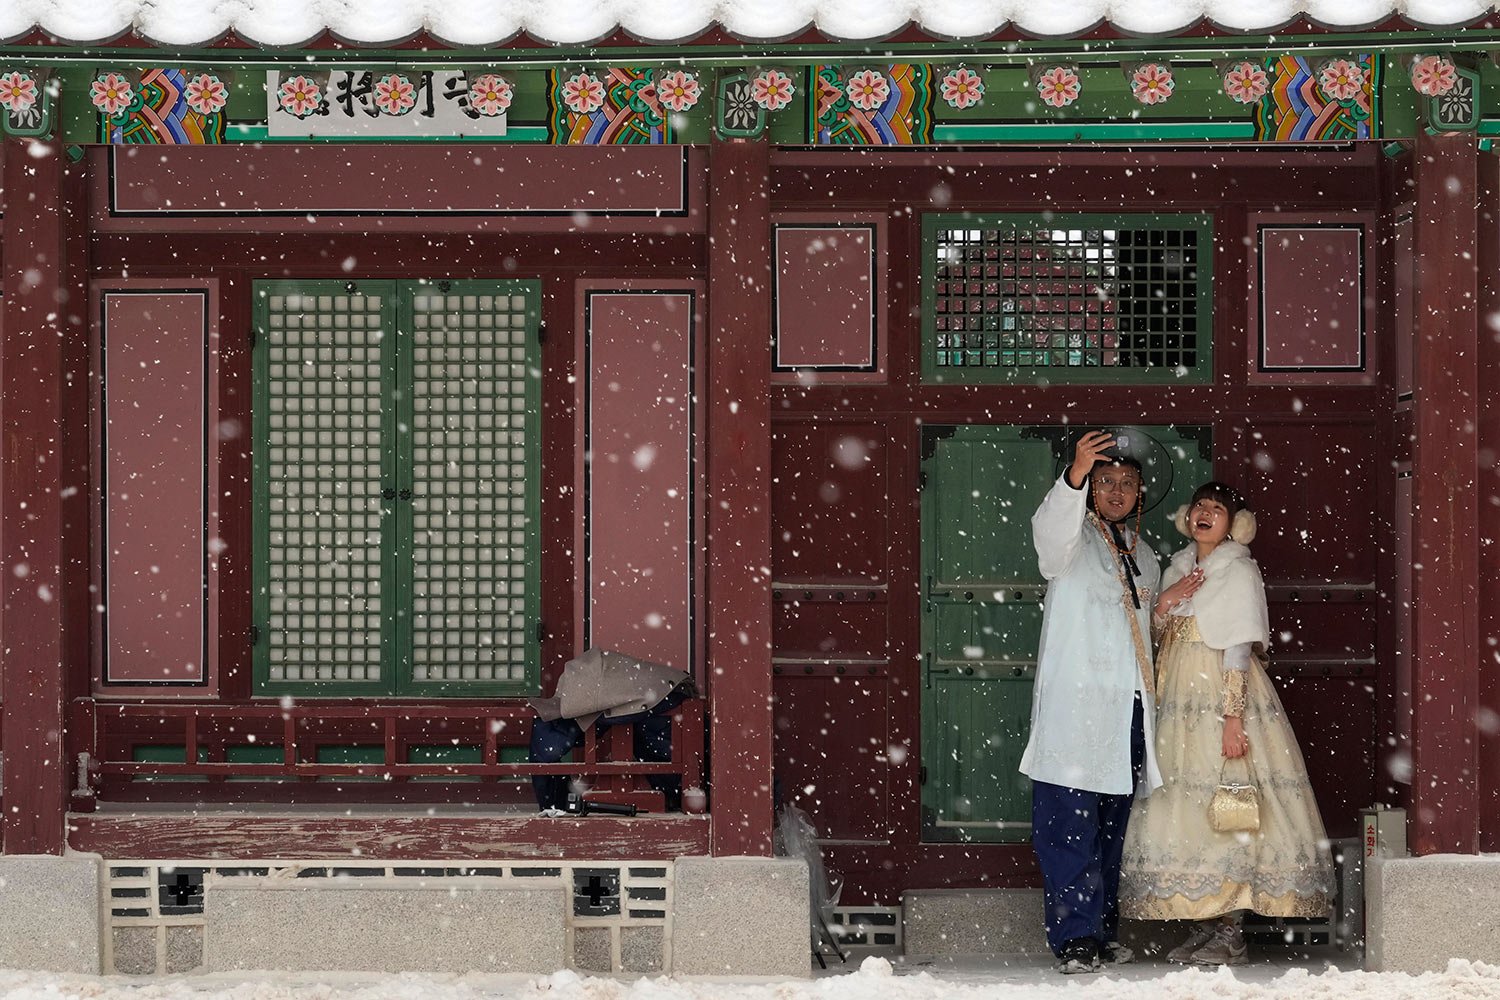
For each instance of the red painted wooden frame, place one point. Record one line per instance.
(99, 294)
(875, 224)
(1257, 224)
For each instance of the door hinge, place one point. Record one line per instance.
(922, 775)
(253, 634)
(251, 338)
(541, 331)
(541, 630)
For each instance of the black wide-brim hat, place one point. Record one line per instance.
(1132, 443)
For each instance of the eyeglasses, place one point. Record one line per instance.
(1108, 484)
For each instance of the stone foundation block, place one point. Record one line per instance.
(1420, 912)
(740, 917)
(974, 922)
(382, 925)
(49, 913)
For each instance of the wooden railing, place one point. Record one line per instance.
(113, 736)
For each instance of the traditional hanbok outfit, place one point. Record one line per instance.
(1091, 712)
(1209, 665)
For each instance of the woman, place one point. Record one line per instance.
(1218, 716)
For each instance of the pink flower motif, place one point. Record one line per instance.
(1059, 86)
(111, 94)
(867, 90)
(1433, 76)
(395, 95)
(489, 95)
(1151, 83)
(206, 94)
(772, 90)
(678, 90)
(583, 94)
(1341, 80)
(17, 93)
(299, 96)
(1246, 83)
(962, 88)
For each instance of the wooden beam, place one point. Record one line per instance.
(1489, 514)
(485, 836)
(1445, 525)
(739, 497)
(31, 585)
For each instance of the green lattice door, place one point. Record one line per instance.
(396, 462)
(982, 607)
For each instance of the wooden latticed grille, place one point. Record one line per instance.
(321, 438)
(1067, 298)
(397, 453)
(471, 524)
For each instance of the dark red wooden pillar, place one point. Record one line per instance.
(739, 496)
(31, 358)
(1445, 525)
(1489, 513)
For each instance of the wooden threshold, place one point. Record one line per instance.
(323, 834)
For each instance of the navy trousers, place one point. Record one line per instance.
(552, 741)
(1079, 837)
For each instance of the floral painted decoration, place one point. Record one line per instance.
(299, 96)
(1246, 83)
(1151, 83)
(395, 95)
(678, 90)
(206, 94)
(583, 94)
(1342, 79)
(1434, 76)
(18, 93)
(772, 90)
(867, 89)
(111, 94)
(490, 96)
(1059, 86)
(962, 88)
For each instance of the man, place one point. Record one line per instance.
(1092, 708)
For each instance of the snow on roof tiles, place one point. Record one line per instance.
(470, 23)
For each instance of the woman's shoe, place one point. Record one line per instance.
(1197, 938)
(1225, 947)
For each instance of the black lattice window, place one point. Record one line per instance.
(1068, 298)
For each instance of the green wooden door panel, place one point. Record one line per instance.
(982, 607)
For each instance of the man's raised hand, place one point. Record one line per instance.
(1089, 450)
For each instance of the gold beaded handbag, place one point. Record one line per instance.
(1235, 806)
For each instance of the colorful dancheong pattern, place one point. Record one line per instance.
(617, 106)
(1298, 109)
(902, 116)
(160, 114)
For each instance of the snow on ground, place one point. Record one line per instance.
(875, 979)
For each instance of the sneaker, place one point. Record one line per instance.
(1079, 955)
(1197, 938)
(1225, 947)
(1115, 953)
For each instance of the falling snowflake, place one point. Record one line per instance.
(1246, 83)
(867, 90)
(678, 90)
(583, 94)
(299, 96)
(206, 94)
(111, 94)
(395, 95)
(1341, 80)
(962, 88)
(772, 90)
(1059, 86)
(490, 95)
(18, 93)
(1151, 83)
(1434, 76)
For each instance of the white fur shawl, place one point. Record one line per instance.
(1231, 604)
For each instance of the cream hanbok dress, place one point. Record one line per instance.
(1177, 867)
